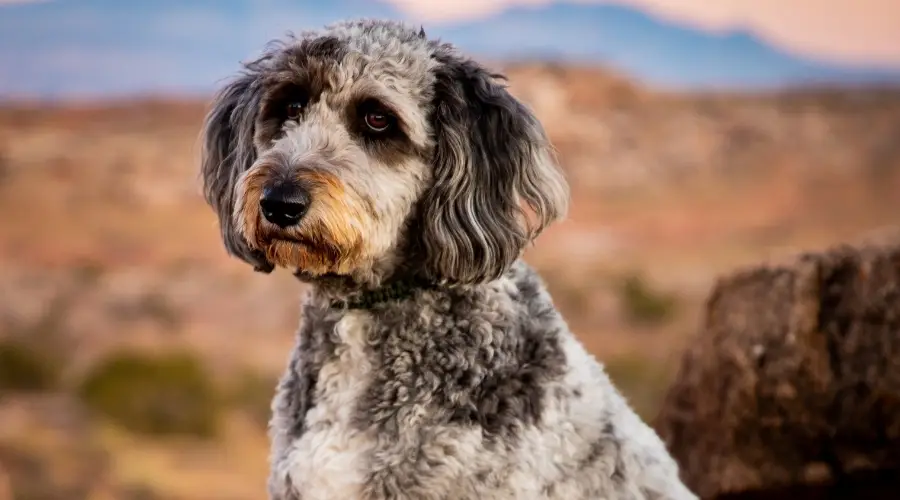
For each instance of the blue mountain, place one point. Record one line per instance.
(101, 47)
(650, 49)
(96, 47)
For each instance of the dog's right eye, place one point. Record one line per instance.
(294, 109)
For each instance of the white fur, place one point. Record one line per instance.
(327, 462)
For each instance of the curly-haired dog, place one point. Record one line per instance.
(403, 181)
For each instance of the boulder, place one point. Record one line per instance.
(794, 379)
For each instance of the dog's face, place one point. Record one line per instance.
(365, 148)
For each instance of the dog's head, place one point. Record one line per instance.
(366, 148)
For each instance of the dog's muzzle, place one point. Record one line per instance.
(284, 203)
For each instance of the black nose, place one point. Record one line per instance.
(284, 204)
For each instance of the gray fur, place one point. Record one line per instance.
(472, 388)
(228, 152)
(491, 154)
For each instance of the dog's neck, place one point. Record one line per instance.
(390, 292)
(344, 293)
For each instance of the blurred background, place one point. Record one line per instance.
(137, 360)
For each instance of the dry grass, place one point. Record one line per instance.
(99, 204)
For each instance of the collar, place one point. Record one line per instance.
(396, 291)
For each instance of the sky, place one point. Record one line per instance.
(859, 31)
(79, 47)
(854, 31)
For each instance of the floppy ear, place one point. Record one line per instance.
(492, 165)
(228, 151)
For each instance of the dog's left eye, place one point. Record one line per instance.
(378, 121)
(294, 110)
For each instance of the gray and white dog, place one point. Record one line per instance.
(403, 182)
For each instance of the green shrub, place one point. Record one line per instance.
(252, 394)
(24, 368)
(642, 381)
(159, 395)
(642, 304)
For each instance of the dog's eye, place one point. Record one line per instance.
(294, 109)
(378, 121)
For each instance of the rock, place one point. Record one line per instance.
(795, 377)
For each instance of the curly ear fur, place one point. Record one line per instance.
(228, 151)
(491, 158)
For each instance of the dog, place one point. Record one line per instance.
(403, 181)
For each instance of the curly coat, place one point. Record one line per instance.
(403, 182)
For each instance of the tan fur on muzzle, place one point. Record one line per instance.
(329, 239)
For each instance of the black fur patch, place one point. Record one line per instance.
(228, 151)
(314, 347)
(299, 72)
(465, 362)
(484, 145)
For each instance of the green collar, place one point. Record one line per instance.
(395, 291)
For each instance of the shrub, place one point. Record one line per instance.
(252, 394)
(642, 304)
(24, 368)
(641, 380)
(158, 395)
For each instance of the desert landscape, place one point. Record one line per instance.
(137, 360)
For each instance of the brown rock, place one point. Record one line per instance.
(795, 377)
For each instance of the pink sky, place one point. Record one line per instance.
(861, 31)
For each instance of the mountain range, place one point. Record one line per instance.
(88, 48)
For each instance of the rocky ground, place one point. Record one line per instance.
(106, 249)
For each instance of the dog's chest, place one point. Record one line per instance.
(328, 461)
